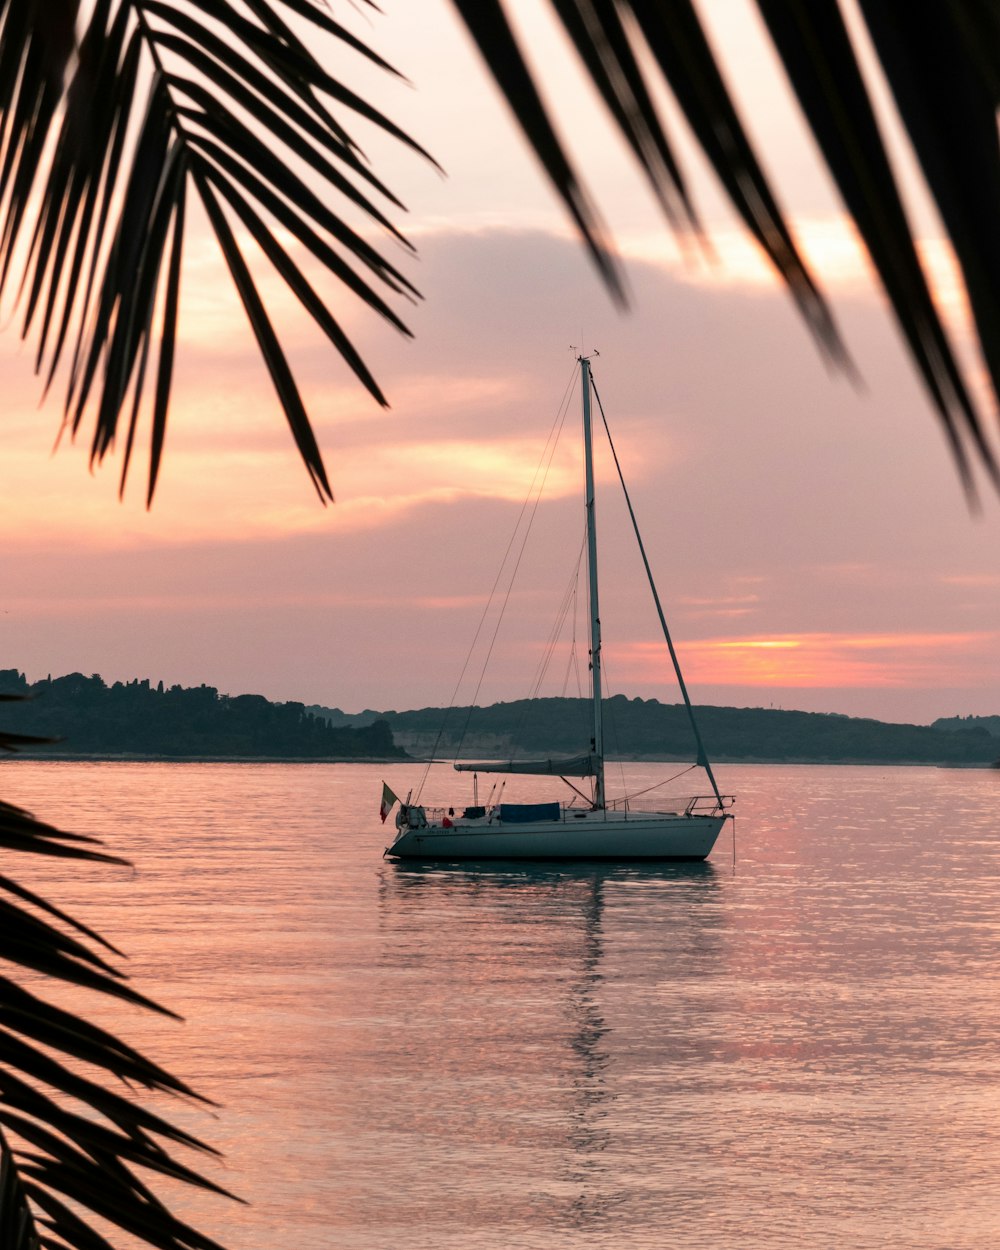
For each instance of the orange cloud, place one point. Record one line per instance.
(825, 660)
(831, 246)
(721, 606)
(978, 581)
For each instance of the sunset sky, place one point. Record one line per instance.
(811, 539)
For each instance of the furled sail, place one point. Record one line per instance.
(573, 766)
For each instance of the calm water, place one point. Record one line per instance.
(800, 1052)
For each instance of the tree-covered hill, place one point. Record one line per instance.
(981, 725)
(636, 728)
(89, 717)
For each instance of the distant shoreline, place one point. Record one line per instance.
(77, 757)
(135, 758)
(76, 718)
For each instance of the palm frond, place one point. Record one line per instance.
(488, 25)
(17, 1223)
(110, 132)
(942, 59)
(943, 67)
(64, 1135)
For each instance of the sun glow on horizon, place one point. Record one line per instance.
(823, 660)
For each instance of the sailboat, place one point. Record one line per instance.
(602, 829)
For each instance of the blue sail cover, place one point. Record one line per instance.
(523, 813)
(571, 766)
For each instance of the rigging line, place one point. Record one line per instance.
(555, 633)
(702, 756)
(503, 606)
(549, 450)
(510, 587)
(576, 621)
(493, 809)
(573, 659)
(567, 602)
(555, 430)
(569, 665)
(572, 642)
(576, 790)
(614, 727)
(666, 782)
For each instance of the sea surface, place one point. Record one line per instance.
(795, 1046)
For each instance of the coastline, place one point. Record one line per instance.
(79, 757)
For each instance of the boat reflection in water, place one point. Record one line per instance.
(520, 1075)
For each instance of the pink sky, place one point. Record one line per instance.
(811, 541)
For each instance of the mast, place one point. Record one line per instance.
(595, 616)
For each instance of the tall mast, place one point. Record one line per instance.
(595, 616)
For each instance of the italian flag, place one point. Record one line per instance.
(388, 799)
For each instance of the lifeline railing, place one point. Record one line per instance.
(698, 805)
(709, 804)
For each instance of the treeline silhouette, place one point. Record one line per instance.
(89, 717)
(636, 728)
(969, 725)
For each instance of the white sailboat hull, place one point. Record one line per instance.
(589, 836)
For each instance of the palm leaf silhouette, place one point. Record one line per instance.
(158, 98)
(112, 132)
(64, 1135)
(942, 60)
